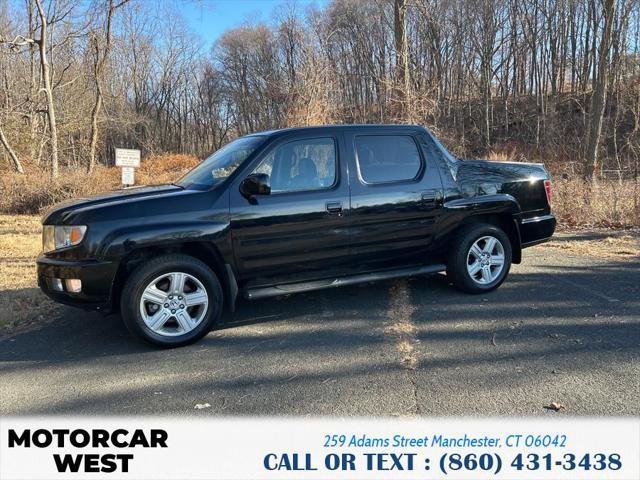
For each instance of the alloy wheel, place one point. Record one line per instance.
(485, 260)
(174, 304)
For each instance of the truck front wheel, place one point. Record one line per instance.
(171, 300)
(480, 259)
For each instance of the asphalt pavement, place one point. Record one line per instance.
(563, 328)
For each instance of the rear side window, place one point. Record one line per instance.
(387, 158)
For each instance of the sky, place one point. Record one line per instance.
(210, 18)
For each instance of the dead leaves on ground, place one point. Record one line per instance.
(555, 406)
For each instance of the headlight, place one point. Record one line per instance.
(61, 236)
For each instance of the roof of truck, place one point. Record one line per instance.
(320, 128)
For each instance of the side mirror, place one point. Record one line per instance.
(255, 184)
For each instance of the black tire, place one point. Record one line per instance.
(458, 258)
(150, 270)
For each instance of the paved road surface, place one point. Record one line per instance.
(562, 329)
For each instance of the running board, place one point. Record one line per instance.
(289, 288)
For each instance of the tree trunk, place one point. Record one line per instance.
(95, 111)
(48, 90)
(98, 67)
(14, 158)
(599, 96)
(33, 88)
(402, 60)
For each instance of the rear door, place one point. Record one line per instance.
(299, 230)
(396, 198)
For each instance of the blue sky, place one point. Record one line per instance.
(210, 18)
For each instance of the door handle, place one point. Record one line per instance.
(334, 207)
(430, 198)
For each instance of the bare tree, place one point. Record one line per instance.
(100, 56)
(5, 93)
(14, 158)
(47, 87)
(402, 81)
(599, 96)
(545, 77)
(32, 112)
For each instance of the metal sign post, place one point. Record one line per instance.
(128, 160)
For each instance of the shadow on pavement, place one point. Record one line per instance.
(80, 335)
(533, 316)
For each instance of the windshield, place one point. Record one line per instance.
(218, 166)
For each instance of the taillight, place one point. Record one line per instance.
(547, 189)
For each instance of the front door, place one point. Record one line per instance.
(395, 199)
(298, 231)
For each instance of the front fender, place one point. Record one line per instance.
(123, 241)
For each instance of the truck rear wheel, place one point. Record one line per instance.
(480, 259)
(171, 300)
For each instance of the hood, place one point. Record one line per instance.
(59, 213)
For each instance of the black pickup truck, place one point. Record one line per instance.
(288, 211)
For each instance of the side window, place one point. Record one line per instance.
(308, 164)
(387, 158)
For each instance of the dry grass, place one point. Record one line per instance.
(601, 244)
(22, 302)
(609, 203)
(401, 327)
(164, 168)
(407, 352)
(503, 155)
(35, 191)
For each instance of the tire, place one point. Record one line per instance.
(463, 263)
(182, 301)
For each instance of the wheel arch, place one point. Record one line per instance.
(505, 221)
(203, 251)
(497, 209)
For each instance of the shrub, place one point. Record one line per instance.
(608, 203)
(35, 191)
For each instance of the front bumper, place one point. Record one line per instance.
(96, 276)
(536, 230)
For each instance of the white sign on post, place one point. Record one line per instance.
(127, 158)
(128, 175)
